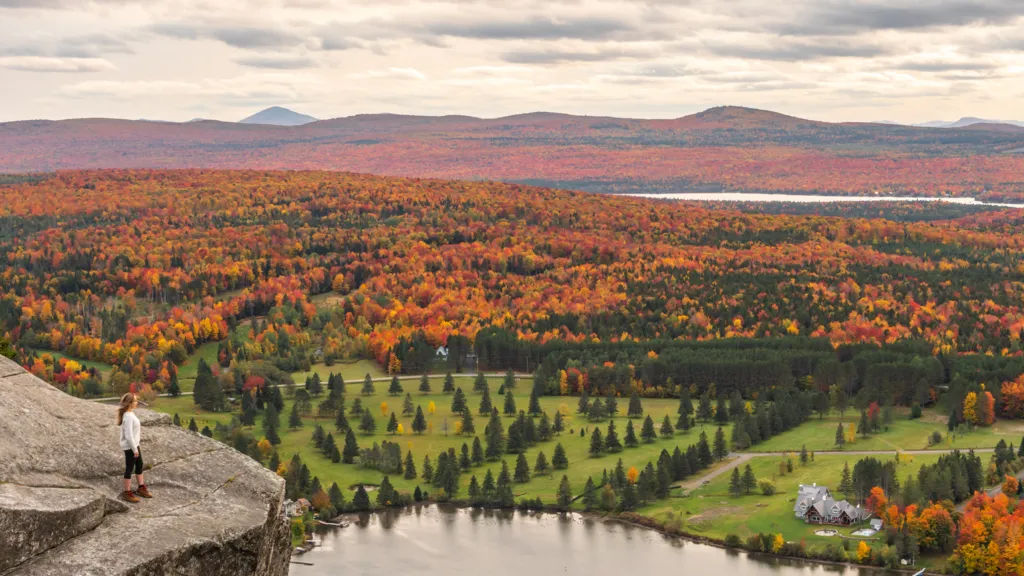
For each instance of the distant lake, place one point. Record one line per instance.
(442, 540)
(756, 197)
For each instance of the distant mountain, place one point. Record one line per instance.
(277, 116)
(966, 121)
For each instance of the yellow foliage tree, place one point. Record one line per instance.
(431, 407)
(632, 474)
(851, 433)
(265, 447)
(778, 543)
(383, 408)
(863, 552)
(400, 429)
(970, 408)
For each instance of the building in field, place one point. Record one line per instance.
(815, 505)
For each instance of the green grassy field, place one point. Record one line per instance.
(353, 373)
(104, 369)
(434, 441)
(712, 512)
(187, 371)
(903, 434)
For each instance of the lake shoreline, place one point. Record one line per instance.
(808, 198)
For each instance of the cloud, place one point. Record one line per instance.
(53, 64)
(390, 73)
(535, 28)
(238, 36)
(278, 62)
(819, 17)
(776, 49)
(556, 55)
(239, 90)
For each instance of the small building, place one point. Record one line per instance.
(441, 354)
(815, 505)
(876, 524)
(293, 508)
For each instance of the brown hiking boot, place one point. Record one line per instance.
(128, 496)
(144, 492)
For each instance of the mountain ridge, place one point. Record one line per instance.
(278, 116)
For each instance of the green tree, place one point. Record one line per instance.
(449, 384)
(864, 427)
(392, 424)
(477, 456)
(735, 483)
(351, 450)
(611, 439)
(559, 460)
(564, 498)
(635, 409)
(367, 424)
(408, 408)
(583, 407)
(428, 469)
(480, 383)
(558, 426)
(410, 467)
(271, 434)
(361, 501)
(522, 473)
(840, 436)
(425, 383)
(337, 497)
(485, 401)
(458, 401)
(510, 403)
(749, 481)
(396, 387)
(631, 441)
(804, 456)
(494, 436)
(540, 466)
(368, 388)
(721, 410)
(611, 405)
(704, 408)
(419, 423)
(295, 420)
(666, 427)
(468, 427)
(589, 495)
(464, 460)
(721, 450)
(845, 481)
(704, 456)
(596, 443)
(647, 433)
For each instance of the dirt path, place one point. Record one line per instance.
(734, 461)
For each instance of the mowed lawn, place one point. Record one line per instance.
(712, 512)
(903, 434)
(434, 441)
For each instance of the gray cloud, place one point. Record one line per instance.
(854, 16)
(947, 66)
(277, 62)
(797, 50)
(239, 36)
(537, 28)
(556, 56)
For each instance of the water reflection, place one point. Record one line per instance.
(444, 540)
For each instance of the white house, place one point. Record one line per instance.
(815, 505)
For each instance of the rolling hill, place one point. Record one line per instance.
(277, 116)
(730, 148)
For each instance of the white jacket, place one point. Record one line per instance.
(131, 431)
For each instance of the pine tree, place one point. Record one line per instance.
(631, 441)
(177, 420)
(845, 482)
(392, 424)
(685, 405)
(596, 443)
(558, 426)
(503, 492)
(564, 498)
(522, 473)
(341, 421)
(271, 434)
(275, 462)
(361, 501)
(367, 424)
(480, 383)
(410, 466)
(611, 439)
(544, 428)
(559, 460)
(666, 427)
(749, 481)
(611, 405)
(736, 405)
(495, 437)
(315, 386)
(368, 388)
(704, 408)
(509, 383)
(510, 403)
(318, 437)
(337, 497)
(248, 417)
(584, 405)
(425, 383)
(589, 495)
(721, 450)
(598, 411)
(207, 432)
(704, 456)
(487, 489)
(396, 387)
(428, 469)
(295, 420)
(351, 450)
(840, 436)
(540, 467)
(635, 409)
(419, 423)
(174, 389)
(192, 426)
(468, 428)
(647, 433)
(449, 385)
(803, 455)
(477, 457)
(735, 483)
(270, 416)
(485, 401)
(864, 427)
(630, 499)
(357, 408)
(328, 447)
(458, 401)
(721, 410)
(408, 408)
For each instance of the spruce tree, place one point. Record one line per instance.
(464, 460)
(367, 424)
(503, 493)
(558, 426)
(174, 389)
(864, 427)
(509, 383)
(361, 501)
(564, 498)
(368, 389)
(598, 411)
(487, 489)
(337, 497)
(295, 420)
(458, 401)
(318, 437)
(177, 420)
(845, 481)
(425, 384)
(408, 408)
(392, 424)
(410, 466)
(736, 405)
(630, 499)
(631, 441)
(589, 495)
(803, 455)
(704, 411)
(275, 462)
(749, 481)
(485, 401)
(329, 447)
(480, 383)
(474, 490)
(559, 460)
(596, 443)
(666, 427)
(207, 432)
(584, 404)
(704, 455)
(192, 426)
(495, 437)
(468, 428)
(357, 408)
(428, 469)
(419, 422)
(396, 387)
(735, 483)
(721, 410)
(647, 433)
(449, 385)
(611, 405)
(351, 450)
(840, 436)
(271, 434)
(510, 403)
(341, 421)
(540, 467)
(611, 439)
(721, 449)
(635, 409)
(544, 428)
(477, 456)
(522, 473)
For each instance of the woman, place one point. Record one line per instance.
(131, 430)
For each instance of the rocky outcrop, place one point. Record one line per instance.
(215, 511)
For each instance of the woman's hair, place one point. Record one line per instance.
(126, 403)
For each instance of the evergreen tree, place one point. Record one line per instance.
(736, 405)
(480, 383)
(392, 424)
(864, 427)
(419, 422)
(721, 450)
(735, 483)
(174, 389)
(361, 501)
(522, 473)
(803, 455)
(611, 439)
(589, 495)
(845, 481)
(295, 420)
(329, 446)
(647, 433)
(704, 456)
(207, 432)
(721, 410)
(487, 490)
(207, 392)
(558, 426)
(368, 388)
(410, 466)
(337, 497)
(468, 428)
(635, 409)
(192, 426)
(631, 441)
(275, 462)
(540, 467)
(509, 382)
(749, 481)
(685, 405)
(271, 434)
(396, 387)
(544, 428)
(340, 420)
(351, 450)
(458, 401)
(596, 443)
(367, 424)
(271, 417)
(464, 460)
(425, 383)
(534, 407)
(503, 492)
(598, 411)
(477, 456)
(485, 401)
(248, 417)
(495, 437)
(357, 408)
(666, 427)
(449, 385)
(559, 460)
(315, 386)
(408, 408)
(584, 405)
(428, 469)
(516, 439)
(611, 405)
(474, 490)
(629, 500)
(840, 436)
(704, 408)
(318, 436)
(564, 499)
(510, 403)
(177, 420)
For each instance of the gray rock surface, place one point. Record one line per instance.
(215, 511)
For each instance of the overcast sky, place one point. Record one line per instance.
(900, 60)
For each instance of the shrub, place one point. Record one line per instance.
(767, 487)
(733, 541)
(935, 438)
(915, 411)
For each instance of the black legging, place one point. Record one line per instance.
(130, 462)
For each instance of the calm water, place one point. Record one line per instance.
(742, 197)
(434, 540)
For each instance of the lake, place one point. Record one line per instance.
(753, 197)
(444, 540)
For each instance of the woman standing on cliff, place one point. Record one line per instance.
(131, 431)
